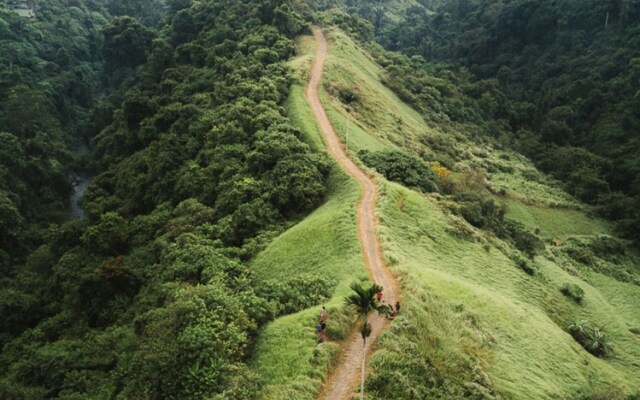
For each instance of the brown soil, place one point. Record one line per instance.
(342, 383)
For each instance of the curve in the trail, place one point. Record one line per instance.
(344, 379)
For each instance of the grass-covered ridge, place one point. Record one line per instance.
(287, 358)
(473, 321)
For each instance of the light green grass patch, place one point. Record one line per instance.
(378, 119)
(532, 357)
(532, 188)
(287, 358)
(555, 223)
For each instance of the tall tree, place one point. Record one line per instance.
(364, 302)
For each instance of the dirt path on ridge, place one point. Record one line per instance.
(342, 383)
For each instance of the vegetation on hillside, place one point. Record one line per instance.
(554, 80)
(49, 79)
(198, 166)
(187, 278)
(485, 293)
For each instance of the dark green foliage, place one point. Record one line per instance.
(150, 12)
(546, 77)
(49, 73)
(573, 291)
(605, 255)
(401, 167)
(126, 43)
(196, 167)
(584, 172)
(591, 337)
(482, 212)
(525, 265)
(293, 294)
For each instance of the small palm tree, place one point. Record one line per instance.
(364, 302)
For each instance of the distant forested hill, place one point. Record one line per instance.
(197, 167)
(49, 77)
(558, 80)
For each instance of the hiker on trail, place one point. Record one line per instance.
(390, 314)
(321, 331)
(397, 307)
(379, 296)
(323, 314)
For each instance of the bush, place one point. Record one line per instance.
(296, 293)
(525, 265)
(401, 167)
(522, 239)
(483, 212)
(591, 337)
(573, 291)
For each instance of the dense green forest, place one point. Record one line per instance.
(555, 80)
(197, 166)
(176, 109)
(48, 85)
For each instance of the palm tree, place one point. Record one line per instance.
(364, 302)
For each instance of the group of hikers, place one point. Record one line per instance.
(321, 327)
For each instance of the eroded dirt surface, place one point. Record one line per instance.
(343, 381)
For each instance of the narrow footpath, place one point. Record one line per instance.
(342, 382)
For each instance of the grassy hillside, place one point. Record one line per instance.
(473, 324)
(515, 323)
(288, 359)
(480, 319)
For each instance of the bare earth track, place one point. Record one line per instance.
(342, 382)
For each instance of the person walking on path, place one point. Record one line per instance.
(379, 296)
(319, 335)
(321, 331)
(323, 314)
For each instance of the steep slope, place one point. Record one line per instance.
(486, 316)
(150, 294)
(287, 358)
(473, 323)
(342, 380)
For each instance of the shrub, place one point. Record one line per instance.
(483, 212)
(401, 167)
(608, 248)
(573, 291)
(522, 239)
(525, 265)
(293, 294)
(591, 337)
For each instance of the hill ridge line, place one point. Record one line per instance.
(342, 382)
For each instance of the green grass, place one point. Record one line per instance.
(471, 313)
(472, 322)
(378, 120)
(530, 356)
(287, 358)
(554, 223)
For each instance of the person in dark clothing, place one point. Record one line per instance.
(320, 331)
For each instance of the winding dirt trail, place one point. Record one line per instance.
(344, 379)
